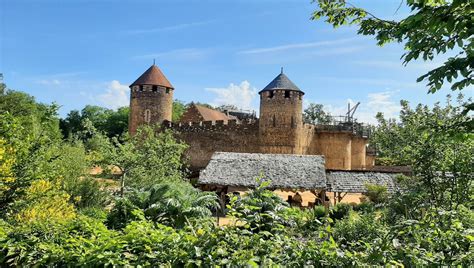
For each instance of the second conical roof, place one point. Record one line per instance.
(281, 82)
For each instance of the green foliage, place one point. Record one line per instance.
(364, 207)
(351, 230)
(149, 157)
(122, 213)
(178, 110)
(112, 123)
(175, 204)
(316, 115)
(377, 194)
(340, 211)
(259, 210)
(437, 143)
(433, 27)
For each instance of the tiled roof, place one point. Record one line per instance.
(285, 171)
(153, 76)
(281, 82)
(209, 114)
(355, 181)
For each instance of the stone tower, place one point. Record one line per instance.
(151, 99)
(281, 116)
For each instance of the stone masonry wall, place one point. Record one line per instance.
(206, 137)
(149, 106)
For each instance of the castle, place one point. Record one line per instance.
(278, 130)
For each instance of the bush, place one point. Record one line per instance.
(87, 192)
(122, 213)
(260, 209)
(366, 207)
(357, 228)
(340, 211)
(377, 194)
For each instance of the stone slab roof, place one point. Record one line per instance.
(355, 181)
(285, 171)
(153, 76)
(281, 82)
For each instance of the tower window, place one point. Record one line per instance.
(292, 122)
(287, 94)
(154, 88)
(147, 116)
(167, 90)
(270, 94)
(274, 121)
(141, 87)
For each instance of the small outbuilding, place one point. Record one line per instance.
(228, 172)
(285, 171)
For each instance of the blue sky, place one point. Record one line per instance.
(88, 52)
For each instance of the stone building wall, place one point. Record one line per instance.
(280, 121)
(206, 137)
(149, 105)
(342, 150)
(191, 115)
(358, 153)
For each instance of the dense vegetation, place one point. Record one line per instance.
(140, 209)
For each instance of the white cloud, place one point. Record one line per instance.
(375, 102)
(169, 28)
(297, 46)
(177, 54)
(117, 95)
(49, 82)
(422, 66)
(241, 95)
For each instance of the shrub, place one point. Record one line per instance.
(340, 211)
(364, 227)
(319, 212)
(122, 213)
(260, 209)
(87, 192)
(376, 193)
(366, 207)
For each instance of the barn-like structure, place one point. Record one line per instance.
(229, 172)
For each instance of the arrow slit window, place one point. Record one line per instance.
(147, 115)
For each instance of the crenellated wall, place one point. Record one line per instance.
(342, 149)
(206, 137)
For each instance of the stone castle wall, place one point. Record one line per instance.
(149, 105)
(206, 137)
(342, 150)
(280, 121)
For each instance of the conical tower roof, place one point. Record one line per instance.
(281, 82)
(153, 76)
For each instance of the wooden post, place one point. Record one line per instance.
(335, 200)
(323, 197)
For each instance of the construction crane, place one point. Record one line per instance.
(351, 111)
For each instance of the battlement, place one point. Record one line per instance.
(218, 125)
(356, 129)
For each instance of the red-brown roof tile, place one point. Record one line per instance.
(153, 76)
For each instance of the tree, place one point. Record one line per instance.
(178, 110)
(433, 27)
(437, 143)
(316, 115)
(112, 123)
(148, 157)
